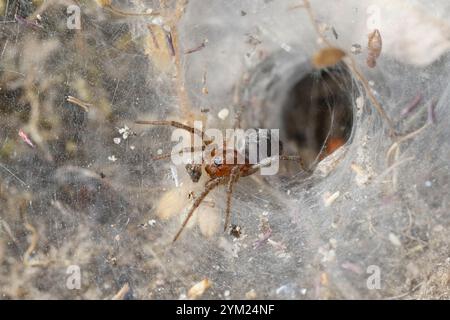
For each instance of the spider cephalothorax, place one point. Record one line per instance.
(217, 166)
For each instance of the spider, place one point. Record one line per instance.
(219, 172)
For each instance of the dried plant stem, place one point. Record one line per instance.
(32, 247)
(173, 17)
(33, 123)
(353, 67)
(84, 105)
(120, 12)
(397, 143)
(120, 295)
(406, 293)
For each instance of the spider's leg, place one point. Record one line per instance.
(168, 155)
(295, 158)
(267, 162)
(175, 124)
(234, 176)
(251, 171)
(237, 117)
(211, 184)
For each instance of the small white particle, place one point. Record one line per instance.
(159, 152)
(226, 293)
(112, 158)
(329, 198)
(394, 240)
(371, 83)
(117, 140)
(122, 130)
(151, 222)
(174, 172)
(428, 183)
(359, 102)
(223, 114)
(132, 147)
(158, 21)
(303, 291)
(286, 47)
(333, 243)
(125, 132)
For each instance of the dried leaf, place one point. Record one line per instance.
(374, 47)
(327, 57)
(198, 289)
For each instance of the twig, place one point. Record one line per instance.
(169, 40)
(15, 176)
(6, 8)
(406, 293)
(120, 295)
(120, 12)
(412, 105)
(84, 105)
(395, 149)
(183, 97)
(32, 246)
(393, 166)
(197, 48)
(372, 98)
(4, 48)
(152, 34)
(431, 113)
(296, 6)
(33, 123)
(352, 66)
(27, 23)
(396, 144)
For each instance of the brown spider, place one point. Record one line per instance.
(215, 166)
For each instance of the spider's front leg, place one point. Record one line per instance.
(297, 159)
(234, 176)
(178, 125)
(210, 185)
(187, 150)
(268, 161)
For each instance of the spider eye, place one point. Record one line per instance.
(217, 161)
